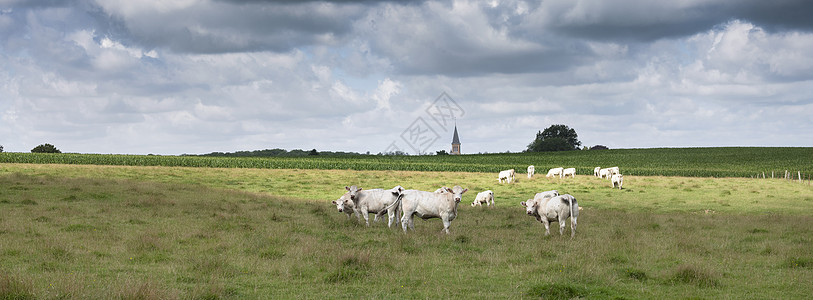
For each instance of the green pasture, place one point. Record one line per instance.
(129, 232)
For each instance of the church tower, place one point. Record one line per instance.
(455, 142)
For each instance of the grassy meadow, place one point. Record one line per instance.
(125, 232)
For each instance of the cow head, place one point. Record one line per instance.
(457, 193)
(353, 191)
(341, 204)
(530, 206)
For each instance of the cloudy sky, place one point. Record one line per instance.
(197, 76)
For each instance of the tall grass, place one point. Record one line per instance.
(693, 162)
(79, 237)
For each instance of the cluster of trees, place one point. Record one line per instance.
(558, 137)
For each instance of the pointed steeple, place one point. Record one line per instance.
(455, 141)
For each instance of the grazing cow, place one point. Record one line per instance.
(596, 171)
(530, 171)
(377, 201)
(569, 172)
(486, 197)
(617, 179)
(507, 175)
(428, 205)
(555, 172)
(343, 204)
(604, 173)
(556, 209)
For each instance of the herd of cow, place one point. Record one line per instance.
(402, 205)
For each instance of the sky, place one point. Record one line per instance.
(199, 76)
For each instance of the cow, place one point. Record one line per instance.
(596, 171)
(486, 197)
(507, 175)
(377, 201)
(530, 171)
(427, 205)
(555, 172)
(569, 171)
(345, 205)
(617, 179)
(604, 173)
(555, 209)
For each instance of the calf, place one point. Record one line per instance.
(486, 197)
(343, 204)
(427, 205)
(507, 175)
(604, 173)
(617, 179)
(377, 201)
(569, 172)
(556, 209)
(530, 171)
(555, 172)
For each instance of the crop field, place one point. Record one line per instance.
(690, 162)
(77, 231)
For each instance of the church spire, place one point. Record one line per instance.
(455, 141)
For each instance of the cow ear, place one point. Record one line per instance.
(359, 190)
(464, 190)
(523, 204)
(449, 190)
(334, 203)
(347, 188)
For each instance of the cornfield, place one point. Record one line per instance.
(690, 162)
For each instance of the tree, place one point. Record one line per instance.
(599, 147)
(45, 148)
(1, 148)
(441, 152)
(313, 152)
(555, 138)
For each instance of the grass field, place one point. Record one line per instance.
(79, 231)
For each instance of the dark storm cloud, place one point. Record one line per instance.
(632, 20)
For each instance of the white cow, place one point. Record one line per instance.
(569, 172)
(507, 175)
(555, 172)
(617, 179)
(530, 171)
(377, 201)
(604, 173)
(556, 209)
(486, 197)
(345, 205)
(596, 171)
(427, 205)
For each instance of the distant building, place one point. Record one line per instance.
(455, 142)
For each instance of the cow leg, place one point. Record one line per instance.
(446, 224)
(366, 215)
(562, 225)
(547, 226)
(405, 221)
(572, 227)
(391, 216)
